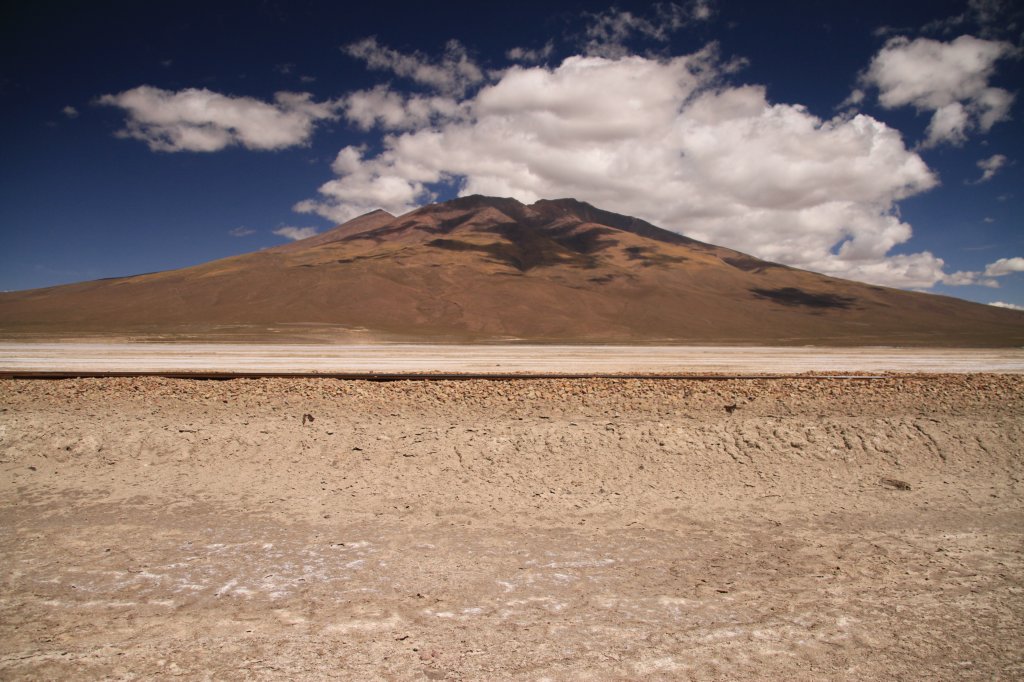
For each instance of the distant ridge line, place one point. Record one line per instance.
(480, 269)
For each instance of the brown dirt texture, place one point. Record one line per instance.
(604, 529)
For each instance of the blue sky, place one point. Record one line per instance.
(875, 141)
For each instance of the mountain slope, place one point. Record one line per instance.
(482, 268)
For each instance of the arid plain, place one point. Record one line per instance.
(796, 528)
(864, 525)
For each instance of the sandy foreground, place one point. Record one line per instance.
(534, 529)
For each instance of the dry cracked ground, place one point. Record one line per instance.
(524, 530)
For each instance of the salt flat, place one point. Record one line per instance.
(497, 359)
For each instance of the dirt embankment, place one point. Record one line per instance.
(513, 530)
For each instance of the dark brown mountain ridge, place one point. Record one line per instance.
(486, 269)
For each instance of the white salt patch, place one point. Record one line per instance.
(387, 623)
(230, 584)
(530, 600)
(650, 665)
(723, 633)
(189, 586)
(596, 563)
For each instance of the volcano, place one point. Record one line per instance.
(479, 269)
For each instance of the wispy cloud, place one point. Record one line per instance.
(989, 167)
(987, 277)
(295, 233)
(990, 18)
(609, 33)
(70, 112)
(241, 232)
(1004, 266)
(531, 55)
(453, 73)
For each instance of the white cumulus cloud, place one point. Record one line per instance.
(295, 233)
(663, 140)
(1011, 306)
(200, 120)
(948, 79)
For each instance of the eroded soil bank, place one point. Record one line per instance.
(601, 529)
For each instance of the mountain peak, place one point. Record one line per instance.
(486, 268)
(475, 202)
(547, 211)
